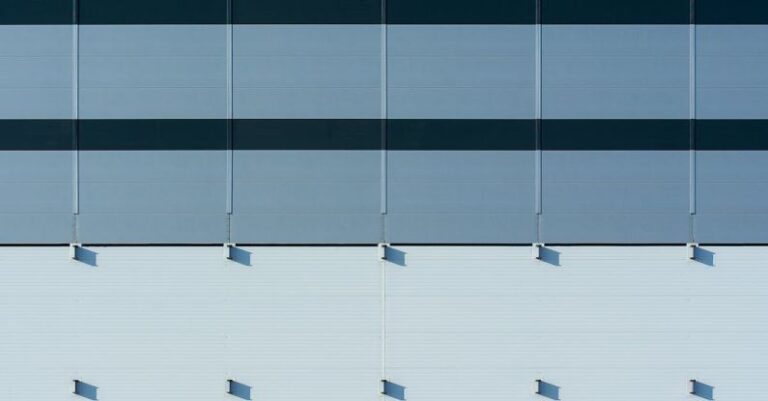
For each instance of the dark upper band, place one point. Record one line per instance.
(31, 12)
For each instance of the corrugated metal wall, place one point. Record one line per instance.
(453, 122)
(327, 323)
(360, 122)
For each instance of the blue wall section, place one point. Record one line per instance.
(409, 132)
(36, 71)
(153, 71)
(615, 197)
(307, 71)
(615, 71)
(454, 72)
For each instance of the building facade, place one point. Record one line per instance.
(304, 133)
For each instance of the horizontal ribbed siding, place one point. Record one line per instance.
(428, 131)
(165, 323)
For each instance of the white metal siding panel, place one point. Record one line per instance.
(480, 323)
(608, 323)
(161, 323)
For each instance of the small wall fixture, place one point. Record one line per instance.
(547, 390)
(85, 390)
(383, 251)
(73, 248)
(228, 250)
(536, 250)
(239, 390)
(691, 250)
(393, 390)
(701, 390)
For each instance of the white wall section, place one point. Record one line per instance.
(481, 323)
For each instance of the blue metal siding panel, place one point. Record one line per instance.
(731, 192)
(36, 202)
(36, 72)
(439, 71)
(307, 196)
(153, 71)
(615, 196)
(307, 71)
(152, 197)
(461, 197)
(615, 71)
(731, 61)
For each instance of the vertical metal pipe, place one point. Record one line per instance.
(537, 118)
(692, 117)
(75, 118)
(384, 115)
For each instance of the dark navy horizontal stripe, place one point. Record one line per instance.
(615, 134)
(37, 12)
(329, 134)
(731, 12)
(41, 12)
(153, 11)
(461, 11)
(376, 134)
(307, 11)
(616, 11)
(152, 134)
(731, 134)
(37, 135)
(461, 134)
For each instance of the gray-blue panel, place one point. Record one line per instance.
(460, 196)
(731, 191)
(153, 40)
(152, 228)
(307, 196)
(615, 228)
(36, 72)
(455, 196)
(454, 71)
(307, 228)
(307, 103)
(37, 228)
(36, 202)
(470, 103)
(255, 72)
(118, 103)
(726, 197)
(615, 71)
(461, 228)
(307, 71)
(731, 228)
(152, 196)
(35, 40)
(153, 71)
(615, 196)
(731, 61)
(36, 197)
(177, 167)
(53, 72)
